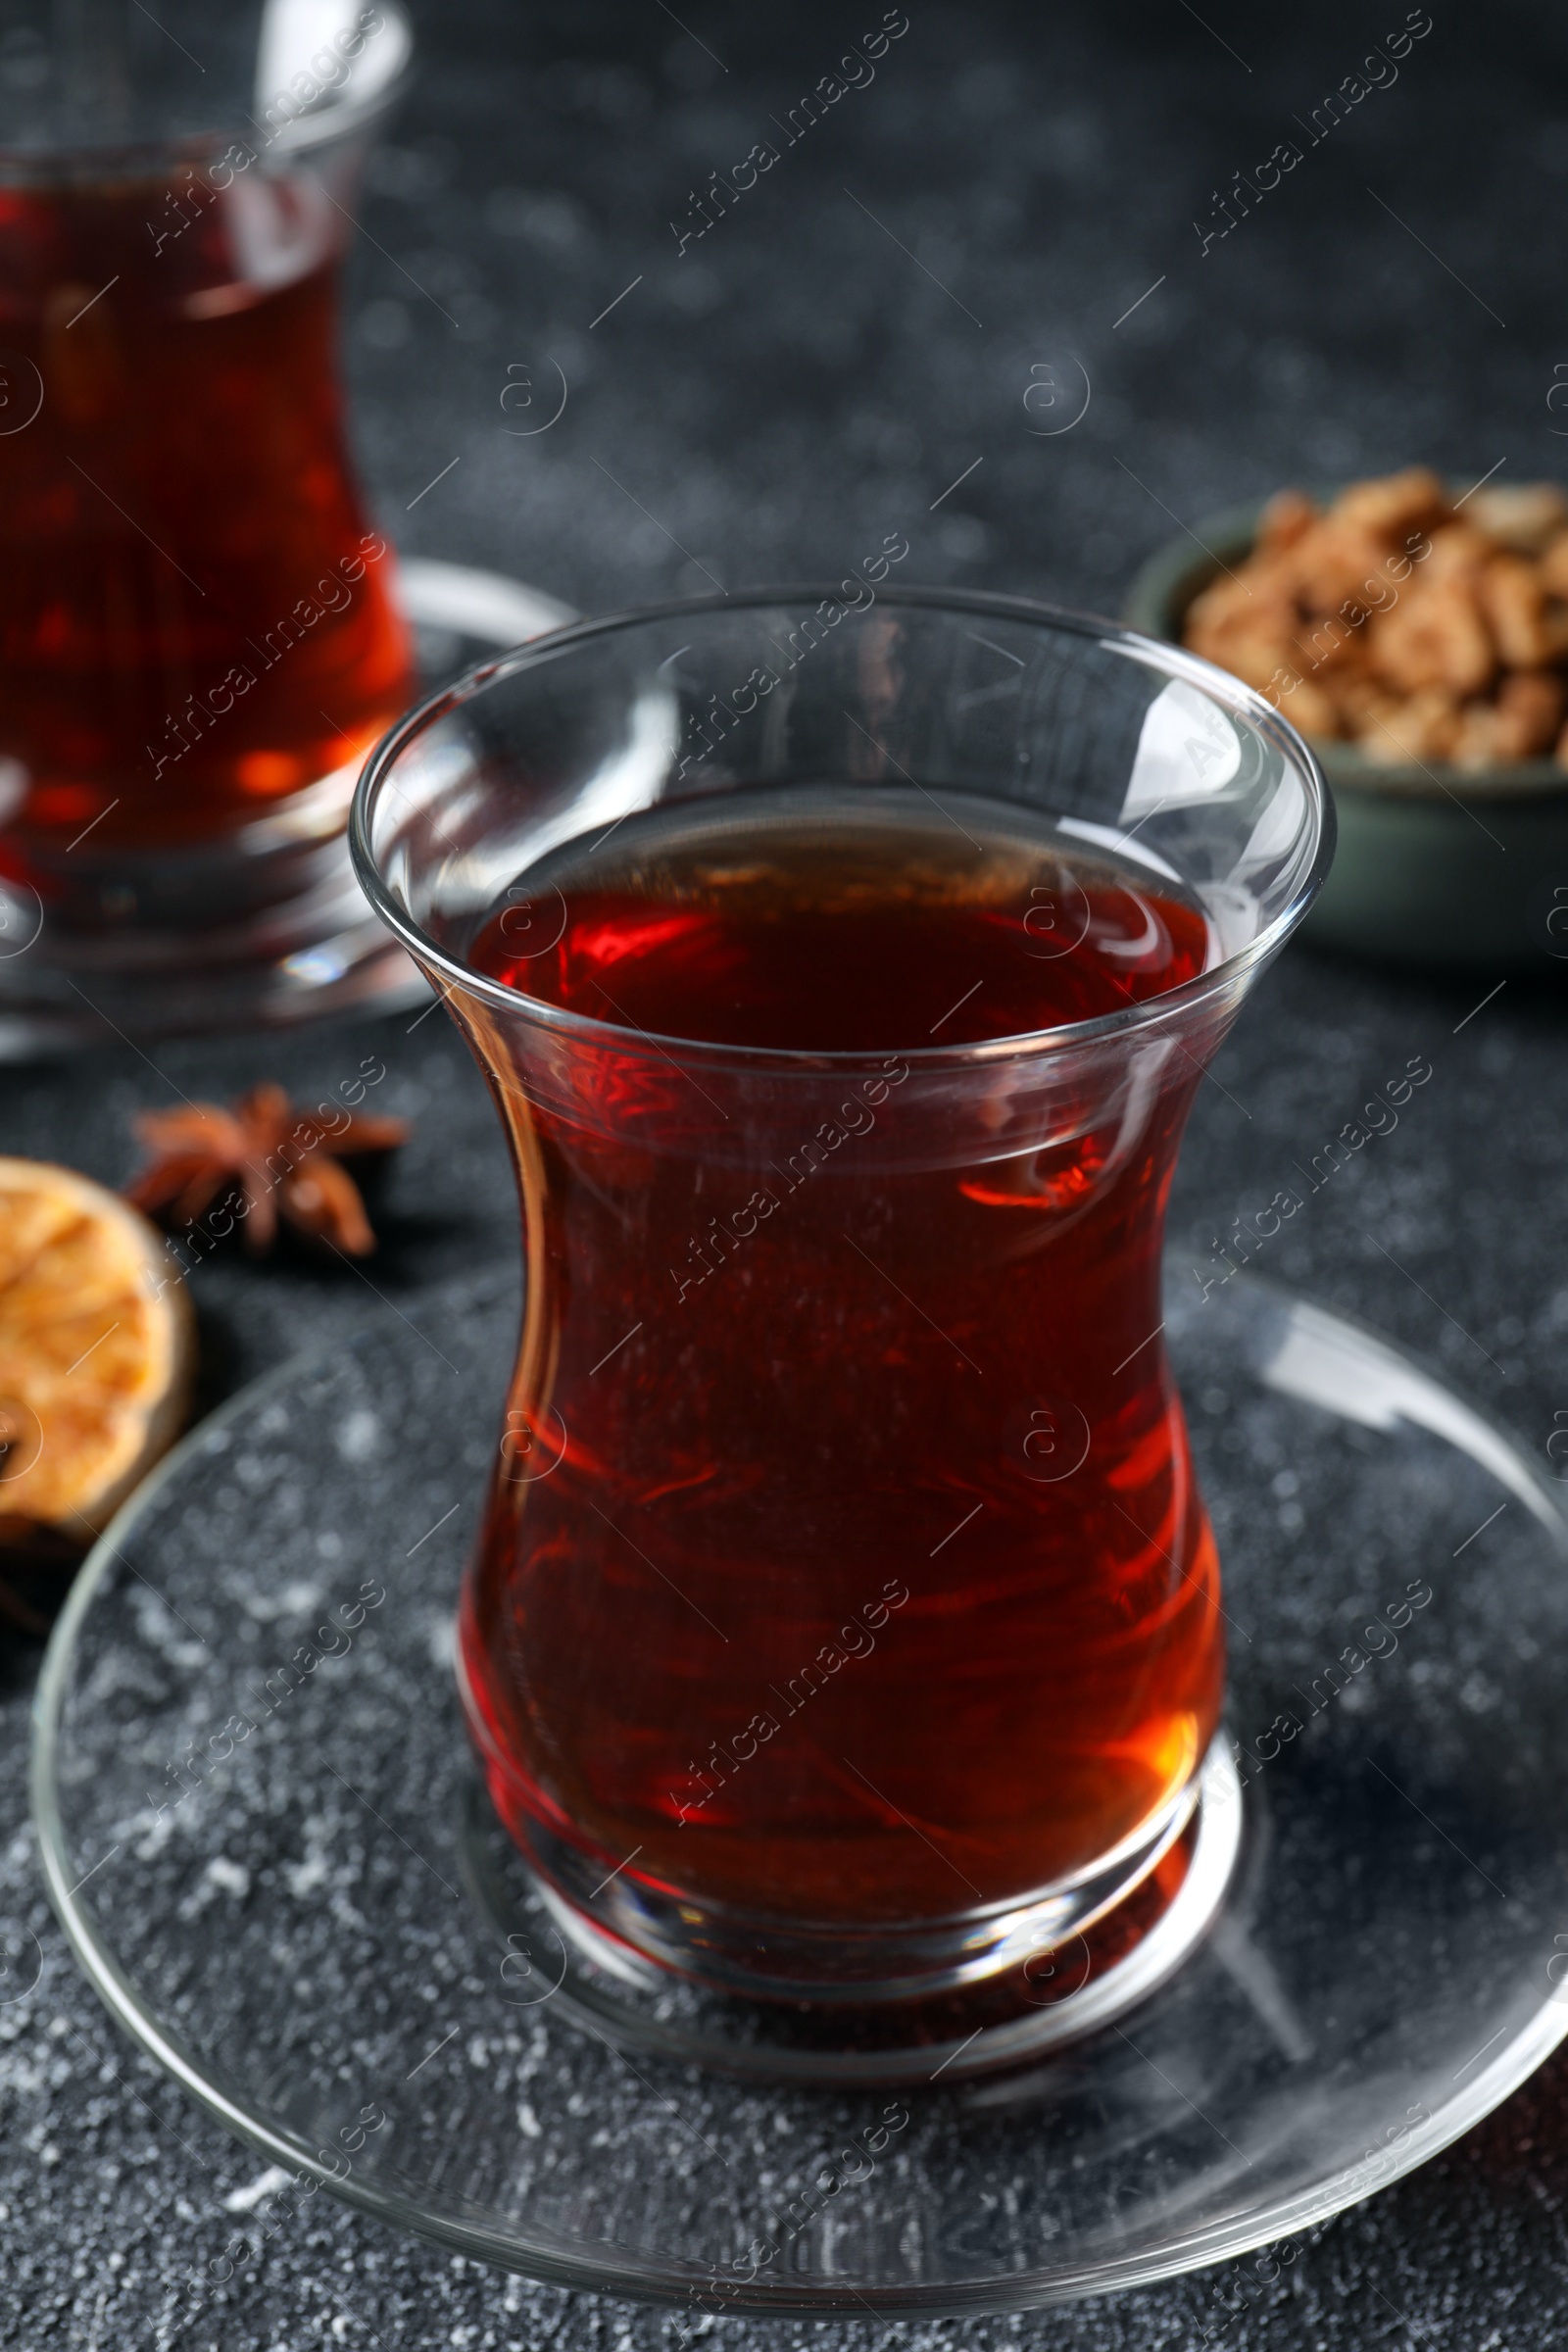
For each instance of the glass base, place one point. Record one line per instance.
(257, 930)
(258, 1823)
(1041, 1977)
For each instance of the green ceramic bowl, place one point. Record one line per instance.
(1435, 864)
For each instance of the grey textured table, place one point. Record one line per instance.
(821, 367)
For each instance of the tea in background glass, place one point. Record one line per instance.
(199, 636)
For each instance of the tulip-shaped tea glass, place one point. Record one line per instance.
(846, 1620)
(199, 635)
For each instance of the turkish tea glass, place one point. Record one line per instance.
(845, 1618)
(199, 631)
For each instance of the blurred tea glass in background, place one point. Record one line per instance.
(199, 636)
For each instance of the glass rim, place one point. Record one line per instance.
(1173, 661)
(304, 135)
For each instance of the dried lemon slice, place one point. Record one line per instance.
(97, 1342)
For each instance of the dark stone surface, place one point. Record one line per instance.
(796, 384)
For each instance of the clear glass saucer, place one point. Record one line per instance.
(291, 1917)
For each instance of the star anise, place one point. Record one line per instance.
(271, 1158)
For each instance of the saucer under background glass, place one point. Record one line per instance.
(299, 1930)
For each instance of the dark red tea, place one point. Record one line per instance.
(848, 1565)
(195, 617)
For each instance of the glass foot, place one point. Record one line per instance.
(1040, 1989)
